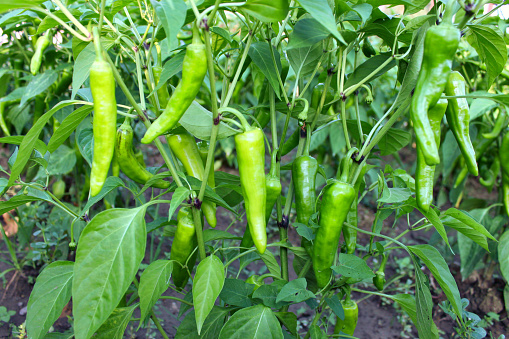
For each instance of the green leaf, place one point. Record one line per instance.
(110, 250)
(271, 263)
(353, 267)
(503, 254)
(180, 194)
(433, 218)
(67, 127)
(172, 15)
(253, 322)
(207, 285)
(170, 68)
(336, 306)
(38, 84)
(16, 201)
(109, 185)
(317, 333)
(321, 11)
(469, 227)
(440, 270)
(211, 327)
(307, 32)
(236, 292)
(394, 140)
(30, 139)
(260, 53)
(6, 5)
(491, 47)
(114, 327)
(369, 66)
(214, 234)
(295, 292)
(52, 291)
(267, 10)
(424, 306)
(154, 281)
(303, 60)
(268, 294)
(40, 146)
(62, 161)
(48, 22)
(289, 319)
(469, 221)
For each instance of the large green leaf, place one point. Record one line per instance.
(172, 16)
(110, 250)
(114, 327)
(321, 11)
(52, 291)
(253, 322)
(153, 282)
(503, 254)
(211, 327)
(207, 285)
(440, 270)
(307, 32)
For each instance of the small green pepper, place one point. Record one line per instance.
(182, 248)
(348, 325)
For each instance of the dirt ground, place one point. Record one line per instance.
(377, 319)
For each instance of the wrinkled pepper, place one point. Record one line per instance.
(458, 118)
(440, 45)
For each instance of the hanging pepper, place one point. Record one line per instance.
(500, 124)
(162, 92)
(350, 234)
(39, 106)
(3, 124)
(102, 85)
(182, 248)
(379, 278)
(348, 325)
(251, 158)
(491, 178)
(337, 198)
(194, 69)
(40, 46)
(480, 148)
(64, 83)
(127, 161)
(291, 142)
(504, 162)
(440, 45)
(185, 149)
(58, 188)
(458, 118)
(425, 174)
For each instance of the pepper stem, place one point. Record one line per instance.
(273, 163)
(245, 125)
(196, 36)
(97, 45)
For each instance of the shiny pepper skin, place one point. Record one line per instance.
(102, 84)
(348, 325)
(337, 199)
(184, 146)
(440, 45)
(458, 118)
(425, 174)
(379, 278)
(194, 69)
(40, 46)
(127, 161)
(304, 170)
(182, 248)
(350, 234)
(272, 187)
(504, 163)
(251, 158)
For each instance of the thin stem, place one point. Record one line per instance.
(140, 79)
(72, 18)
(199, 233)
(64, 24)
(353, 88)
(158, 324)
(305, 269)
(341, 80)
(177, 299)
(101, 16)
(283, 25)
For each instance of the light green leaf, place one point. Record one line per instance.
(295, 291)
(211, 327)
(255, 322)
(110, 250)
(153, 283)
(62, 161)
(172, 15)
(321, 11)
(267, 10)
(260, 53)
(52, 291)
(67, 127)
(503, 254)
(307, 32)
(114, 327)
(207, 285)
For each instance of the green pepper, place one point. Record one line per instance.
(458, 118)
(291, 142)
(350, 234)
(182, 248)
(348, 325)
(40, 46)
(440, 45)
(58, 188)
(162, 92)
(480, 148)
(425, 174)
(39, 106)
(194, 69)
(63, 84)
(251, 158)
(186, 150)
(504, 162)
(500, 124)
(317, 95)
(127, 161)
(3, 124)
(367, 48)
(337, 198)
(102, 85)
(379, 278)
(489, 180)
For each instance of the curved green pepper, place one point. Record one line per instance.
(182, 248)
(251, 158)
(291, 142)
(64, 83)
(40, 46)
(458, 118)
(480, 148)
(348, 325)
(3, 124)
(194, 69)
(127, 161)
(504, 162)
(186, 150)
(367, 48)
(500, 124)
(379, 278)
(440, 45)
(162, 92)
(337, 198)
(425, 174)
(492, 175)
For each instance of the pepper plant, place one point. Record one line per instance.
(276, 79)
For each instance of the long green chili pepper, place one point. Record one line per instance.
(425, 174)
(291, 142)
(102, 85)
(63, 84)
(500, 124)
(492, 175)
(350, 234)
(480, 148)
(194, 69)
(162, 92)
(458, 118)
(182, 248)
(3, 124)
(127, 161)
(251, 158)
(504, 162)
(337, 198)
(440, 45)
(40, 46)
(186, 150)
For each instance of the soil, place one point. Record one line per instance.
(377, 318)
